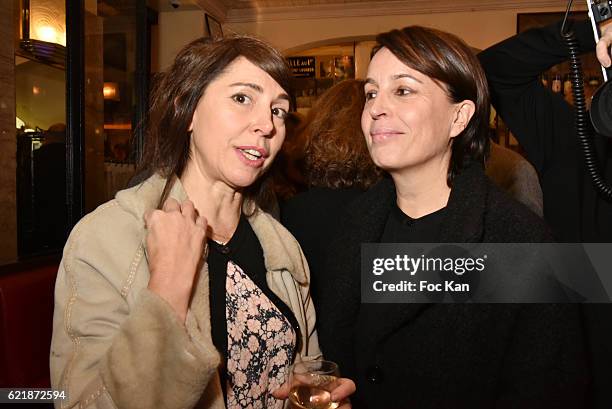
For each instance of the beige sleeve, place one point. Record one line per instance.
(106, 354)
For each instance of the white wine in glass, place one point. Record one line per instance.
(311, 384)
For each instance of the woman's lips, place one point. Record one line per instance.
(249, 159)
(383, 135)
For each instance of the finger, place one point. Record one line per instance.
(202, 222)
(188, 210)
(345, 387)
(171, 205)
(282, 392)
(602, 49)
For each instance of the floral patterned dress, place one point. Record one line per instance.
(260, 342)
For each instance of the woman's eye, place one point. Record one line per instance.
(279, 112)
(370, 95)
(403, 91)
(241, 98)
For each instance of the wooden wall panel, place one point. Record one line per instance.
(8, 142)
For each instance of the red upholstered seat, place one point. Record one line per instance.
(26, 314)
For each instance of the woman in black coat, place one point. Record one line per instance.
(425, 122)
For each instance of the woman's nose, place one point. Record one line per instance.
(378, 106)
(264, 123)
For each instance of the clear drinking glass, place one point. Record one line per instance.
(311, 384)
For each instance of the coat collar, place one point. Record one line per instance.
(281, 251)
(463, 221)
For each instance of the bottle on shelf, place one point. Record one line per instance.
(557, 85)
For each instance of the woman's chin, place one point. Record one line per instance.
(242, 180)
(389, 164)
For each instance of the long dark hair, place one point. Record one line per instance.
(446, 58)
(176, 95)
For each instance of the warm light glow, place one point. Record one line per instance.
(47, 33)
(48, 21)
(111, 91)
(118, 127)
(35, 90)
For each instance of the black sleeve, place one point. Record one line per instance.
(541, 120)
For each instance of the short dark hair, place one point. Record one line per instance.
(175, 98)
(445, 58)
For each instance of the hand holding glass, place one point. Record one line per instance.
(311, 384)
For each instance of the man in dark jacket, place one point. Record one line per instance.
(543, 123)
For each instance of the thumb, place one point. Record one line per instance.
(282, 392)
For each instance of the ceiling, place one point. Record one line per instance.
(259, 10)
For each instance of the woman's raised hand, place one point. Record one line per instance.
(603, 45)
(175, 243)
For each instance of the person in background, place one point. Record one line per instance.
(543, 123)
(425, 122)
(181, 292)
(49, 195)
(515, 175)
(337, 168)
(288, 170)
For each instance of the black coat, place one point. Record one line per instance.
(441, 355)
(312, 217)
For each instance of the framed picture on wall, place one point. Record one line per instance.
(213, 27)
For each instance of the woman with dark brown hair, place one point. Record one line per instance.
(184, 271)
(337, 168)
(425, 122)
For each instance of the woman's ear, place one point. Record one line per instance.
(464, 111)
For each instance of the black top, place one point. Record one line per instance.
(401, 228)
(543, 122)
(245, 251)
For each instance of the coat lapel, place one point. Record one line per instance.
(365, 223)
(464, 221)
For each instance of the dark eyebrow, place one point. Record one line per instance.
(399, 76)
(395, 77)
(259, 89)
(284, 97)
(247, 84)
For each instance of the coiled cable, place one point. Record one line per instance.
(581, 117)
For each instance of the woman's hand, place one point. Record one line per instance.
(603, 45)
(344, 388)
(175, 243)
